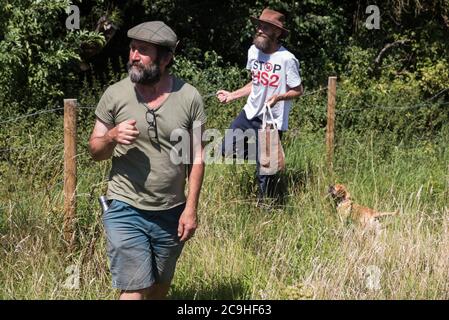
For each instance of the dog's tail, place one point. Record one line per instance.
(391, 213)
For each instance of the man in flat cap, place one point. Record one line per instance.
(275, 82)
(149, 217)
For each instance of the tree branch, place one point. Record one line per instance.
(387, 47)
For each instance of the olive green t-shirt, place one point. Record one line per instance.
(142, 173)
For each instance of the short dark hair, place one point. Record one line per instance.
(162, 53)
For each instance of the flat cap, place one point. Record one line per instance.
(155, 32)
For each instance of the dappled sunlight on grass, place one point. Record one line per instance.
(297, 249)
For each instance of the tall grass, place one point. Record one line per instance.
(297, 249)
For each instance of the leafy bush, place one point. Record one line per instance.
(209, 74)
(38, 54)
(407, 104)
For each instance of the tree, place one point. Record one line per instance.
(38, 55)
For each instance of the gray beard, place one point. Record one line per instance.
(261, 43)
(141, 74)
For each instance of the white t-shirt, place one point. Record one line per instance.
(271, 74)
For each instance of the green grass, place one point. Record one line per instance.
(296, 250)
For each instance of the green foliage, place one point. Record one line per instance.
(328, 38)
(38, 53)
(407, 104)
(391, 149)
(209, 75)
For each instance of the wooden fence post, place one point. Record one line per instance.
(331, 99)
(69, 170)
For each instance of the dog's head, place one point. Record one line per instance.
(339, 193)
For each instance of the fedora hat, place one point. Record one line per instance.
(274, 18)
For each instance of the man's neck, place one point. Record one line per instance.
(153, 91)
(273, 48)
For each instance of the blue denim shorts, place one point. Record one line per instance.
(143, 246)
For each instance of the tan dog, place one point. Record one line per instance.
(347, 209)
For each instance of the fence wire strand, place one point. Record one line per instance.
(31, 115)
(416, 106)
(212, 94)
(29, 147)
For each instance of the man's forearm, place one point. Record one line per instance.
(291, 94)
(195, 182)
(242, 92)
(101, 148)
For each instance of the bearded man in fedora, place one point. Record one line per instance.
(276, 80)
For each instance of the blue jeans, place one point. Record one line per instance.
(266, 183)
(143, 246)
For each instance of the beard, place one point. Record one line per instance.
(147, 75)
(262, 43)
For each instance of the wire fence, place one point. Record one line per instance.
(58, 182)
(424, 103)
(417, 106)
(34, 147)
(428, 102)
(53, 110)
(79, 186)
(32, 115)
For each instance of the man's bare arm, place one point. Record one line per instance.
(188, 220)
(105, 137)
(226, 96)
(290, 94)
